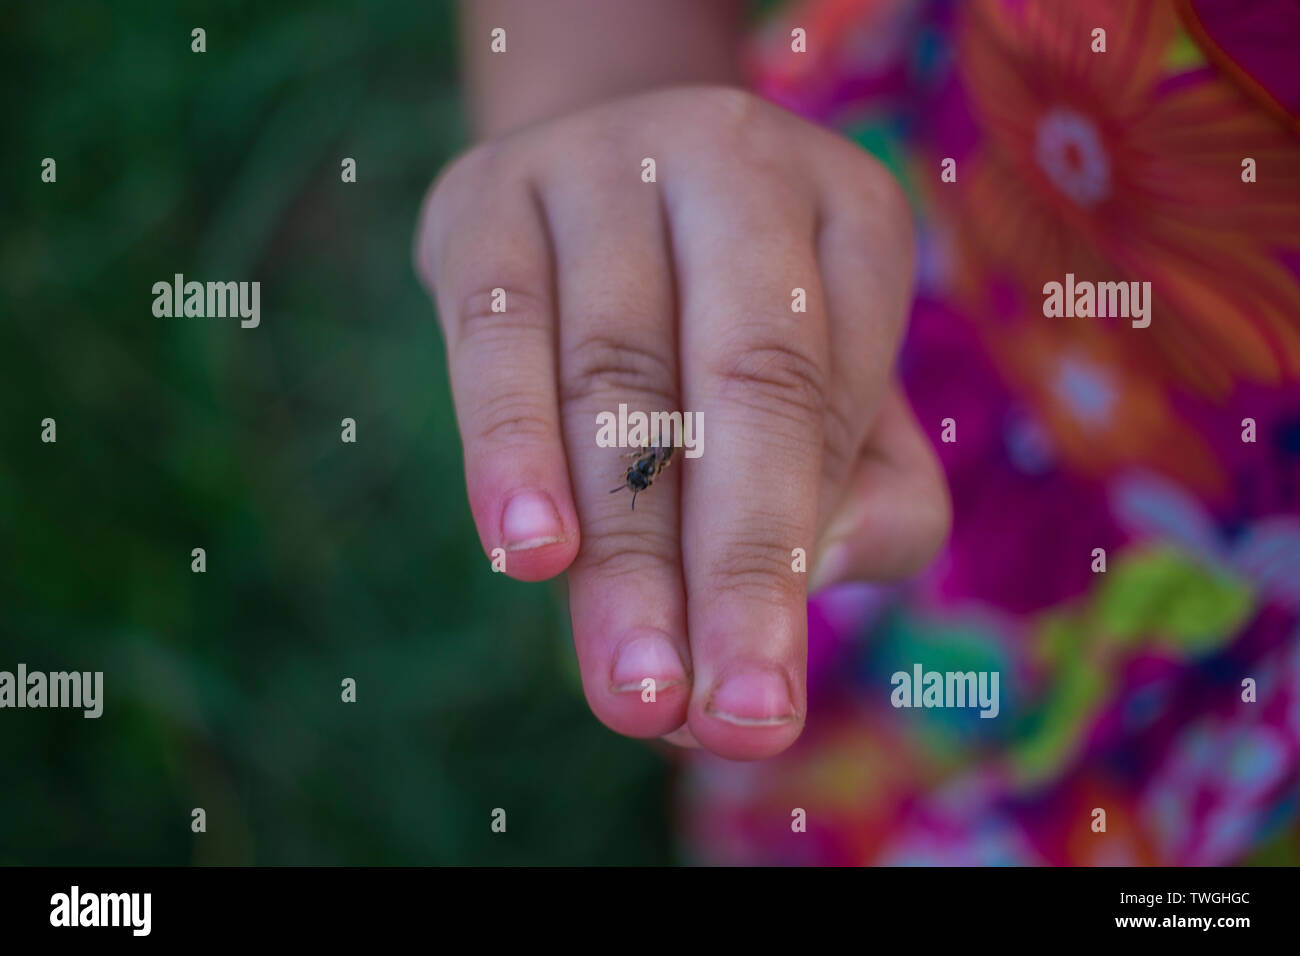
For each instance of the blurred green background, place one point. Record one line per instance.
(325, 560)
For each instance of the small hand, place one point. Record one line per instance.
(677, 295)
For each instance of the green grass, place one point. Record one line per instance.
(325, 560)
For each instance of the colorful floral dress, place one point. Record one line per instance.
(1166, 688)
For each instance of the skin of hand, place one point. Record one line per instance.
(677, 295)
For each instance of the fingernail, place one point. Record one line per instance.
(830, 565)
(530, 521)
(753, 697)
(651, 655)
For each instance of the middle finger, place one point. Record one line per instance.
(618, 346)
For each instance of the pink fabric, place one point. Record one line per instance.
(1262, 37)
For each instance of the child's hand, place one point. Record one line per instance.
(677, 295)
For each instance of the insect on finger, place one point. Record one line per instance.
(641, 475)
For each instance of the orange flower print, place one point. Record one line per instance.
(1103, 413)
(1115, 168)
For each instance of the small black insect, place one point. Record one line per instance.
(641, 475)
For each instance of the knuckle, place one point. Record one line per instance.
(459, 178)
(618, 554)
(725, 108)
(600, 365)
(773, 377)
(513, 418)
(729, 126)
(451, 196)
(525, 312)
(892, 206)
(603, 150)
(478, 164)
(878, 206)
(883, 188)
(755, 570)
